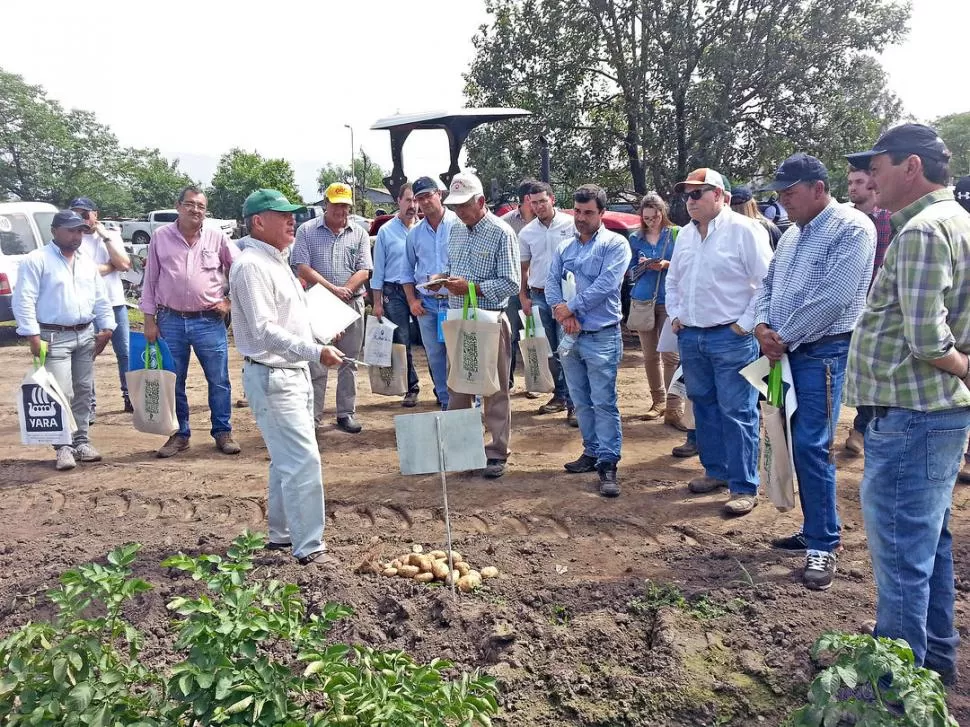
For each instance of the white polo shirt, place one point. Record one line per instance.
(537, 243)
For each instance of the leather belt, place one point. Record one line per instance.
(829, 339)
(537, 290)
(55, 327)
(192, 313)
(599, 330)
(247, 359)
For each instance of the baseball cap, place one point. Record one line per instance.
(740, 195)
(69, 219)
(701, 177)
(800, 167)
(83, 203)
(267, 199)
(961, 191)
(905, 139)
(463, 187)
(424, 185)
(339, 193)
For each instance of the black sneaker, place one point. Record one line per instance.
(129, 409)
(687, 449)
(410, 400)
(609, 487)
(571, 419)
(348, 424)
(494, 468)
(819, 570)
(585, 463)
(793, 543)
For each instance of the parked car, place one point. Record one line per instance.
(24, 227)
(139, 232)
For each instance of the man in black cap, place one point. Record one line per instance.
(812, 296)
(908, 358)
(107, 250)
(60, 305)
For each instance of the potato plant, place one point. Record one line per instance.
(249, 652)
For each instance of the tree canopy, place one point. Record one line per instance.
(954, 129)
(636, 93)
(241, 172)
(366, 173)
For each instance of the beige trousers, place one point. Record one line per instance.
(660, 367)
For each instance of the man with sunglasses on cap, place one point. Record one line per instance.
(426, 258)
(108, 252)
(60, 302)
(271, 328)
(908, 359)
(812, 296)
(718, 266)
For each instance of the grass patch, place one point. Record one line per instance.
(660, 595)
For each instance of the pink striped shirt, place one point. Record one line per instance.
(186, 277)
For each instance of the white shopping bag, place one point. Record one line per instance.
(378, 339)
(391, 380)
(472, 345)
(44, 411)
(152, 394)
(678, 387)
(535, 359)
(539, 330)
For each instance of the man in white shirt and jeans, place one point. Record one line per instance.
(107, 250)
(271, 327)
(719, 264)
(538, 241)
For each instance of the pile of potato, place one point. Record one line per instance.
(427, 567)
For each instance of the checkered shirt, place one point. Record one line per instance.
(487, 254)
(335, 257)
(817, 282)
(919, 308)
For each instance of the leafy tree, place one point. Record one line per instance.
(955, 131)
(638, 92)
(239, 173)
(366, 174)
(154, 181)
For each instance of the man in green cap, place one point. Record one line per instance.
(271, 327)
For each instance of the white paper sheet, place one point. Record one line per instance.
(329, 316)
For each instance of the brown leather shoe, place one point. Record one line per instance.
(673, 419)
(741, 504)
(226, 444)
(855, 443)
(700, 485)
(175, 444)
(655, 412)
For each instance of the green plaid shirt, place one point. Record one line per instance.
(918, 308)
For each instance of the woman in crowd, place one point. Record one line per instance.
(743, 203)
(653, 246)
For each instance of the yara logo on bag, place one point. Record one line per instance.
(387, 374)
(43, 413)
(469, 354)
(534, 371)
(153, 396)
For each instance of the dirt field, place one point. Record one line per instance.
(567, 628)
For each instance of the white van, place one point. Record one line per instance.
(24, 227)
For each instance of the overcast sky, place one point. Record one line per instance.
(284, 78)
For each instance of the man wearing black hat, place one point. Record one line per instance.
(812, 296)
(60, 302)
(108, 252)
(908, 358)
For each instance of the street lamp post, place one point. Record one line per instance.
(353, 174)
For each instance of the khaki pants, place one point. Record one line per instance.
(660, 367)
(497, 408)
(349, 345)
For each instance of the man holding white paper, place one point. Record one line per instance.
(812, 297)
(334, 252)
(271, 328)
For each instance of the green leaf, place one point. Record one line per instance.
(848, 676)
(80, 697)
(239, 706)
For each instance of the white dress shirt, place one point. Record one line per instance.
(270, 318)
(537, 243)
(713, 282)
(97, 250)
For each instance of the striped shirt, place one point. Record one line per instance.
(486, 254)
(919, 308)
(335, 257)
(817, 282)
(270, 319)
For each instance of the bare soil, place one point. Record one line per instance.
(566, 629)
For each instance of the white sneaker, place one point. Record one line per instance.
(65, 459)
(87, 453)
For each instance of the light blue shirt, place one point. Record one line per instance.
(389, 253)
(598, 267)
(819, 278)
(427, 250)
(51, 290)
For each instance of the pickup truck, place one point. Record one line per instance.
(140, 231)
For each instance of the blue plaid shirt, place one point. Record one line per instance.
(486, 254)
(817, 282)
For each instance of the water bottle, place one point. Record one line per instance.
(566, 344)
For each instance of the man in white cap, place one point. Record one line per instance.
(483, 252)
(334, 252)
(718, 266)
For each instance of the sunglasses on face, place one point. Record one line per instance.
(698, 193)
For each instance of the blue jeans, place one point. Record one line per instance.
(208, 337)
(590, 369)
(435, 350)
(551, 327)
(119, 343)
(725, 405)
(818, 370)
(912, 460)
(282, 404)
(399, 313)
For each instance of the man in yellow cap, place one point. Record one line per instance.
(334, 252)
